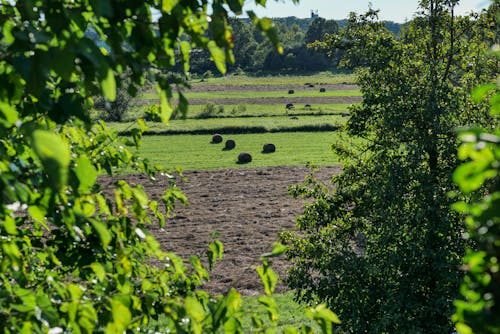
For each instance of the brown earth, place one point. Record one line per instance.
(267, 100)
(246, 207)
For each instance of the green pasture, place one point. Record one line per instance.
(210, 110)
(195, 152)
(274, 79)
(265, 110)
(238, 125)
(249, 94)
(290, 312)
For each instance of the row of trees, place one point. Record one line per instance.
(384, 248)
(253, 53)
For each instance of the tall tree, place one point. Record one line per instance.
(384, 247)
(319, 27)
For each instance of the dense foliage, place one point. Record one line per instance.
(383, 247)
(479, 310)
(75, 257)
(253, 53)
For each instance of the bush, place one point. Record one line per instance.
(291, 91)
(322, 90)
(211, 110)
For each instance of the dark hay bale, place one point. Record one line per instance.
(216, 139)
(322, 90)
(291, 91)
(244, 158)
(289, 106)
(311, 85)
(269, 148)
(230, 144)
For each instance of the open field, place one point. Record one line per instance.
(240, 125)
(247, 205)
(195, 152)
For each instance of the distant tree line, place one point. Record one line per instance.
(253, 53)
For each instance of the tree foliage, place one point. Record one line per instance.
(383, 248)
(479, 310)
(76, 257)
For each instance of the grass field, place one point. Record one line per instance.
(194, 152)
(247, 110)
(239, 125)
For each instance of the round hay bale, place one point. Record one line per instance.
(322, 90)
(291, 91)
(268, 148)
(244, 158)
(289, 106)
(230, 144)
(311, 85)
(216, 139)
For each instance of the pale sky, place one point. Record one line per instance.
(397, 11)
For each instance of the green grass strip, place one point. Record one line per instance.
(239, 125)
(196, 152)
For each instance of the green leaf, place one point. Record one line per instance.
(99, 271)
(268, 277)
(214, 252)
(121, 317)
(463, 329)
(165, 107)
(236, 6)
(85, 172)
(271, 307)
(480, 93)
(218, 56)
(185, 51)
(8, 113)
(278, 249)
(194, 309)
(168, 5)
(54, 154)
(102, 231)
(108, 85)
(9, 224)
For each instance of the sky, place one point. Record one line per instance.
(391, 10)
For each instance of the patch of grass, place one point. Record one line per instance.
(273, 79)
(239, 125)
(249, 94)
(291, 313)
(195, 152)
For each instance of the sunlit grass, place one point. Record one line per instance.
(195, 152)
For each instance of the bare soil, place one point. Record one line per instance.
(246, 207)
(287, 98)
